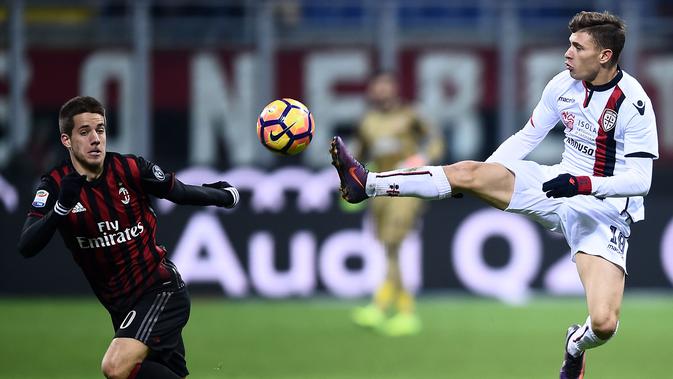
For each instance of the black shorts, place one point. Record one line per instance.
(157, 320)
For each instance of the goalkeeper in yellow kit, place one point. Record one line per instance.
(391, 135)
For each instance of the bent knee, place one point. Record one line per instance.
(604, 326)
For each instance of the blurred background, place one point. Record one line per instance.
(184, 82)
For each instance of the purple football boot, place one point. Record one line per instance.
(352, 174)
(573, 367)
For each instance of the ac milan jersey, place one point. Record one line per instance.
(604, 125)
(111, 230)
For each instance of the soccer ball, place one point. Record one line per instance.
(285, 126)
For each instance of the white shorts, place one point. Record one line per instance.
(590, 225)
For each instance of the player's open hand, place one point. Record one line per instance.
(71, 185)
(566, 185)
(228, 188)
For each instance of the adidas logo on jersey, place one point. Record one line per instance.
(78, 208)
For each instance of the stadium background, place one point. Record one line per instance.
(184, 81)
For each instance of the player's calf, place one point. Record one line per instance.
(152, 370)
(490, 182)
(464, 176)
(117, 370)
(425, 182)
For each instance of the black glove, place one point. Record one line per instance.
(566, 185)
(71, 185)
(227, 188)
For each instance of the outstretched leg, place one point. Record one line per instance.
(491, 182)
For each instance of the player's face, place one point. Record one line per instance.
(583, 57)
(383, 91)
(87, 142)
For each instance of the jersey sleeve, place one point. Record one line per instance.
(45, 197)
(640, 135)
(41, 223)
(634, 181)
(546, 115)
(154, 180)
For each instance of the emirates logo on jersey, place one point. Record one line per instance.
(608, 119)
(111, 234)
(124, 193)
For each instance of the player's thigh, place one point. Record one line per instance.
(604, 287)
(122, 356)
(491, 182)
(157, 320)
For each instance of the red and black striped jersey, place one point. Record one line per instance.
(111, 231)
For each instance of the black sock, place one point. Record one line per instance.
(152, 370)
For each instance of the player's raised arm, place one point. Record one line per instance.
(166, 186)
(221, 194)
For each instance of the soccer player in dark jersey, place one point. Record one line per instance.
(100, 203)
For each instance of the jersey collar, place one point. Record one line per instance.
(608, 85)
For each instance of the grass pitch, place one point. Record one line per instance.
(463, 337)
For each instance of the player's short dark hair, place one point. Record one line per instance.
(75, 106)
(608, 30)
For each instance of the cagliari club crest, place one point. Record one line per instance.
(608, 119)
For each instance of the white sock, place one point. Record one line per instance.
(426, 182)
(584, 338)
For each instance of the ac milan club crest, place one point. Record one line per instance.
(126, 198)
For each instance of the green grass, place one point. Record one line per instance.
(462, 338)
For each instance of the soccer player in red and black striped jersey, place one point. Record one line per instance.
(100, 203)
